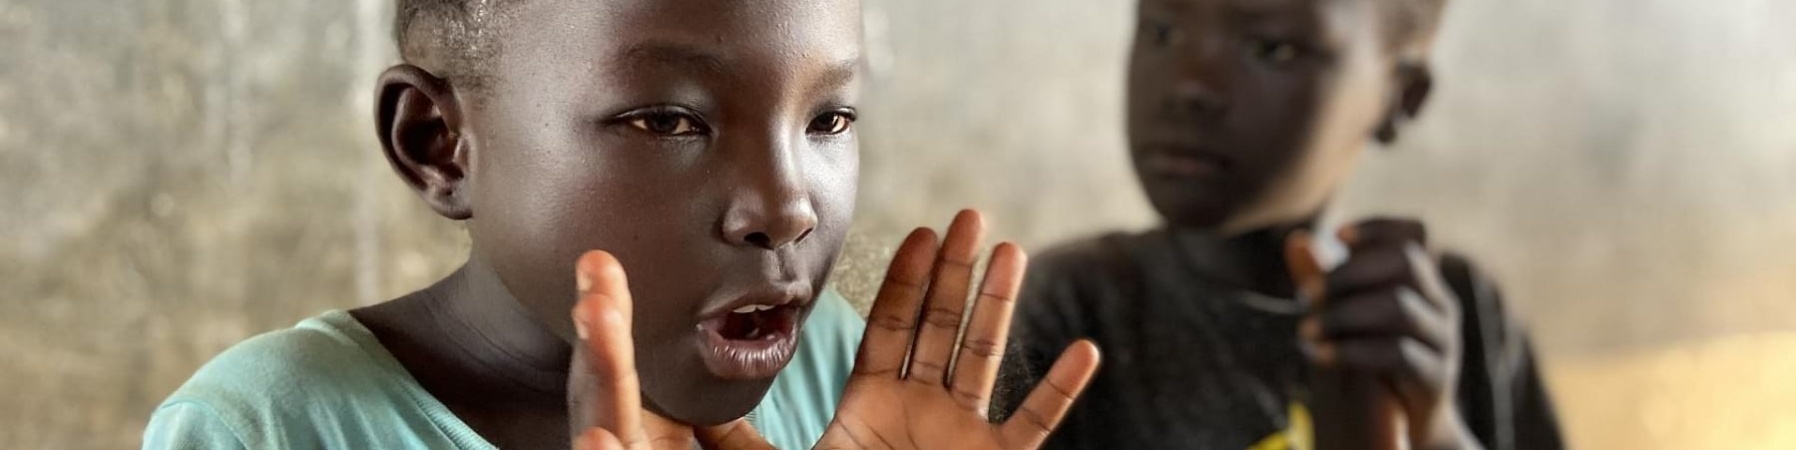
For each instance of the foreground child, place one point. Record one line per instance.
(709, 146)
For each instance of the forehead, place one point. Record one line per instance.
(728, 31)
(1331, 23)
(1314, 10)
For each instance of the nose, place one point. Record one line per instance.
(1195, 98)
(771, 209)
(1200, 79)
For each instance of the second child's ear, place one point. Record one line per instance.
(1414, 83)
(419, 122)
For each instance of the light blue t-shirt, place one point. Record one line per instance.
(328, 383)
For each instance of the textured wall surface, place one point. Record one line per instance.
(177, 175)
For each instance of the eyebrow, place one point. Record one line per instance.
(689, 58)
(838, 74)
(1258, 9)
(677, 56)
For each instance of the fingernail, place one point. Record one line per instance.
(1323, 354)
(1310, 328)
(581, 318)
(582, 282)
(1310, 292)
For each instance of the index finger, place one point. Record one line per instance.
(602, 320)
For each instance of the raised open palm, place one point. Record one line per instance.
(915, 386)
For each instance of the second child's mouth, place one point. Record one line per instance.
(1186, 163)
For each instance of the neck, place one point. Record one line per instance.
(1253, 260)
(488, 333)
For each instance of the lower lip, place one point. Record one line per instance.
(1184, 166)
(747, 359)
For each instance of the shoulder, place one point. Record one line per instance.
(275, 381)
(190, 426)
(316, 359)
(1083, 288)
(1494, 339)
(1109, 251)
(1480, 299)
(1500, 389)
(1090, 266)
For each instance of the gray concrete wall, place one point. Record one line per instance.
(176, 175)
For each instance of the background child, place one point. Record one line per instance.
(1244, 117)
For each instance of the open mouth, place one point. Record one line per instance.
(750, 342)
(756, 322)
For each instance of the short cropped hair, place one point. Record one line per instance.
(1412, 24)
(453, 39)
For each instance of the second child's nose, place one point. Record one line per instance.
(1195, 99)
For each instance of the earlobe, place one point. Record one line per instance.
(418, 122)
(1415, 82)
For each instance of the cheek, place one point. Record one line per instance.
(1276, 117)
(1147, 85)
(1326, 125)
(543, 201)
(1349, 111)
(833, 173)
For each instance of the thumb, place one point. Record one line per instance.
(603, 388)
(735, 435)
(1306, 270)
(597, 439)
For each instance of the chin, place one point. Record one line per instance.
(1191, 211)
(714, 403)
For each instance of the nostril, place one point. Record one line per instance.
(759, 239)
(805, 234)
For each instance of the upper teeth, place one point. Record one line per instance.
(753, 308)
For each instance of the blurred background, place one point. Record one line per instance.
(177, 175)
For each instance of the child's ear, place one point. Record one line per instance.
(419, 124)
(1414, 83)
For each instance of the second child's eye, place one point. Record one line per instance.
(1276, 51)
(831, 123)
(1160, 34)
(667, 124)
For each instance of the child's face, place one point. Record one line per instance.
(1247, 113)
(707, 144)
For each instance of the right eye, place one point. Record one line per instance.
(667, 123)
(1159, 34)
(1274, 51)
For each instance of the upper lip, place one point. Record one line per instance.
(1187, 148)
(794, 294)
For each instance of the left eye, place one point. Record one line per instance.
(1274, 50)
(831, 123)
(667, 124)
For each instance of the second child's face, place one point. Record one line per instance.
(708, 144)
(1247, 113)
